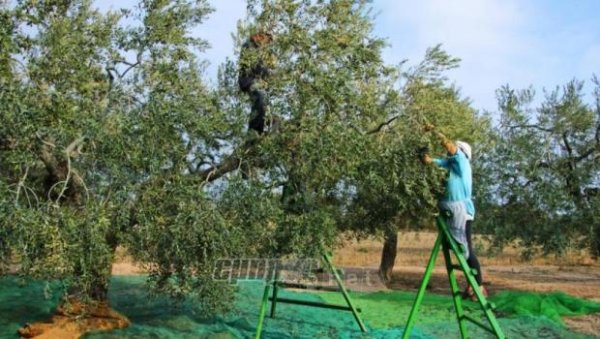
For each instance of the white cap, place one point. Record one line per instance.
(464, 147)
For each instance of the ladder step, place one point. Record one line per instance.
(457, 267)
(449, 244)
(321, 270)
(308, 286)
(478, 323)
(313, 303)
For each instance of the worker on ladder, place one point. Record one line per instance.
(457, 203)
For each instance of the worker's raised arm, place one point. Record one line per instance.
(448, 144)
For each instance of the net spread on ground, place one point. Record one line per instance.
(520, 314)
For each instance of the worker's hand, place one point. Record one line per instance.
(428, 127)
(426, 159)
(422, 153)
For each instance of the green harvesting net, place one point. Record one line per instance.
(550, 305)
(522, 315)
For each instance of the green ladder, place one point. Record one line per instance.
(447, 243)
(275, 284)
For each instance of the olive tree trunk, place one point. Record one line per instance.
(388, 255)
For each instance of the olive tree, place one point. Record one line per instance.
(99, 117)
(542, 171)
(393, 189)
(111, 137)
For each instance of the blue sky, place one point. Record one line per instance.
(543, 43)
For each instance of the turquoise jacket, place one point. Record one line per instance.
(460, 180)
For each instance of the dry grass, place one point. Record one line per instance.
(414, 249)
(575, 273)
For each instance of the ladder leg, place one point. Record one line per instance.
(263, 310)
(485, 305)
(275, 290)
(456, 295)
(419, 298)
(327, 260)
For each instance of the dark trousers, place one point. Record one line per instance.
(259, 107)
(473, 261)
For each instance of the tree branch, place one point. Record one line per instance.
(20, 185)
(567, 145)
(62, 172)
(48, 158)
(215, 172)
(538, 127)
(587, 153)
(74, 147)
(543, 165)
(383, 124)
(131, 65)
(231, 163)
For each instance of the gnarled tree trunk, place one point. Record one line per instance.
(388, 255)
(79, 311)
